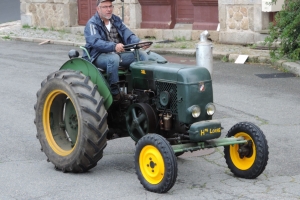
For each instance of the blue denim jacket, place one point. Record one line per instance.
(96, 38)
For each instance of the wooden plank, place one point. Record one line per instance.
(45, 42)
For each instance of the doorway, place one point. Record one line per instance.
(184, 12)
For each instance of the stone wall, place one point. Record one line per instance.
(239, 19)
(132, 12)
(242, 21)
(59, 14)
(49, 13)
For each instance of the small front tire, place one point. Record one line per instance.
(247, 160)
(155, 163)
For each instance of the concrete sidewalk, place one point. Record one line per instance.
(224, 52)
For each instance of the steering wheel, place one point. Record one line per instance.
(137, 45)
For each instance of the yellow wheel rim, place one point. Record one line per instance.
(152, 164)
(57, 138)
(245, 162)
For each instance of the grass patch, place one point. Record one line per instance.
(225, 59)
(184, 46)
(282, 69)
(64, 31)
(25, 26)
(6, 37)
(45, 29)
(251, 46)
(180, 39)
(150, 37)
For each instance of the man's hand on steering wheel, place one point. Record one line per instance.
(119, 48)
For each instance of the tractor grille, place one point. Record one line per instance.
(171, 88)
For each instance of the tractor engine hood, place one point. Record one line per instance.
(145, 73)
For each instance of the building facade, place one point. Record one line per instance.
(229, 21)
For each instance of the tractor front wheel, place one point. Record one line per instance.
(71, 122)
(155, 163)
(247, 160)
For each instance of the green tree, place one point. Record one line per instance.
(286, 31)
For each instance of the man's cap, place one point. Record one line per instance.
(100, 1)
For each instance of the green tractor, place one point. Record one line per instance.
(166, 108)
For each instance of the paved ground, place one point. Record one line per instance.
(240, 94)
(9, 10)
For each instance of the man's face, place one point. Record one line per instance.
(105, 9)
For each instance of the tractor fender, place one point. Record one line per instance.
(88, 69)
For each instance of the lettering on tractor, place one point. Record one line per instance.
(210, 131)
(203, 132)
(215, 130)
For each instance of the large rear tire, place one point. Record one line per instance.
(155, 163)
(71, 121)
(247, 160)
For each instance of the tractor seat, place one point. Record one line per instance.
(121, 70)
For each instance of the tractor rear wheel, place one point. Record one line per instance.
(71, 122)
(155, 163)
(247, 160)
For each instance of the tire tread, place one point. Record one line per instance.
(262, 153)
(169, 158)
(94, 128)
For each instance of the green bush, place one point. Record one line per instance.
(286, 31)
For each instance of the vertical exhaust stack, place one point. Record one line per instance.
(204, 54)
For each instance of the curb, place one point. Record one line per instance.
(44, 41)
(292, 67)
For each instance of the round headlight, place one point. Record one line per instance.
(210, 109)
(196, 111)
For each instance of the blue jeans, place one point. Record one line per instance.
(110, 62)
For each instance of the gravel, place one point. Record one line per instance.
(15, 29)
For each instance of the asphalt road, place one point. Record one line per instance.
(239, 93)
(9, 10)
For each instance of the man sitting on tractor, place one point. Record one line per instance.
(105, 36)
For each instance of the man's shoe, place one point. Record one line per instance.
(117, 97)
